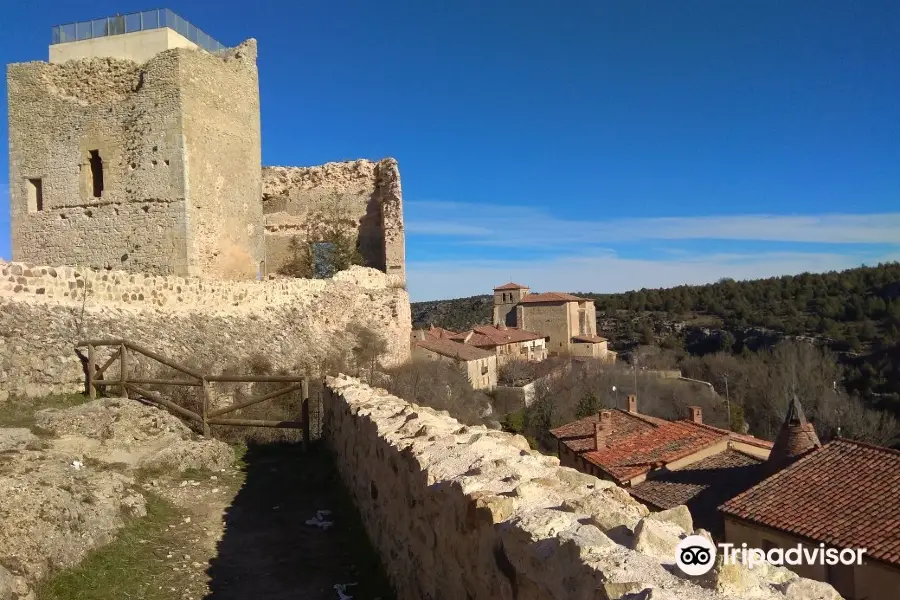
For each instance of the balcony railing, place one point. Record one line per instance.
(139, 21)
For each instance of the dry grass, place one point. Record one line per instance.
(19, 412)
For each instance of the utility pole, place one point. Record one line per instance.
(634, 369)
(727, 400)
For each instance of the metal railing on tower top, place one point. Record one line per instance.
(139, 21)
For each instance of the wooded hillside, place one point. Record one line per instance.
(855, 313)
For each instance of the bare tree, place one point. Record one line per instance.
(440, 385)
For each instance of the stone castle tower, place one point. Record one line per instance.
(143, 155)
(137, 147)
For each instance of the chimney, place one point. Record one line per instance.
(468, 337)
(419, 334)
(599, 437)
(632, 403)
(606, 420)
(696, 414)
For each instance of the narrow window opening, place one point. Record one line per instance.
(96, 173)
(35, 195)
(323, 255)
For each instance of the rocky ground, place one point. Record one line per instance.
(116, 499)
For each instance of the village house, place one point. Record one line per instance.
(845, 495)
(665, 463)
(508, 343)
(568, 323)
(479, 365)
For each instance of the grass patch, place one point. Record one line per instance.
(19, 412)
(132, 566)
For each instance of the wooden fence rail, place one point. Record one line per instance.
(129, 387)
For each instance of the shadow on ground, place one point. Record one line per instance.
(269, 552)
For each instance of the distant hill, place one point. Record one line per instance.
(855, 312)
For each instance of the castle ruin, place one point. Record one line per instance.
(141, 151)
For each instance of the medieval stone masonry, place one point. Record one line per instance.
(467, 512)
(155, 167)
(140, 210)
(298, 323)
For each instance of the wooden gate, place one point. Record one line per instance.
(131, 387)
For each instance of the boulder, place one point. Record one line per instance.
(657, 538)
(679, 515)
(12, 439)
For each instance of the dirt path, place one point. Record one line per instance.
(247, 535)
(237, 533)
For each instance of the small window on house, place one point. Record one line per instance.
(96, 173)
(35, 195)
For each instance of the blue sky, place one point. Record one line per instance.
(582, 146)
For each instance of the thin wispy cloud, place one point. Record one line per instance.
(518, 226)
(605, 272)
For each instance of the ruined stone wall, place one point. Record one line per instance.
(223, 153)
(295, 322)
(178, 141)
(466, 512)
(362, 198)
(130, 114)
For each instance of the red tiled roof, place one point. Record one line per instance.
(740, 437)
(439, 333)
(511, 286)
(579, 435)
(491, 336)
(796, 437)
(845, 494)
(636, 454)
(453, 349)
(589, 339)
(552, 297)
(702, 486)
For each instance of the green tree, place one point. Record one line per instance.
(588, 405)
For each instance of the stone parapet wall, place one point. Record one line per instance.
(68, 285)
(296, 323)
(470, 513)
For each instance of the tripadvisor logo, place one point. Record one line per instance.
(696, 555)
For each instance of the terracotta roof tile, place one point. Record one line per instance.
(579, 435)
(511, 286)
(552, 297)
(491, 336)
(439, 333)
(740, 437)
(453, 349)
(844, 494)
(636, 442)
(702, 486)
(636, 454)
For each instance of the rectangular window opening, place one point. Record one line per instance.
(323, 260)
(96, 173)
(35, 195)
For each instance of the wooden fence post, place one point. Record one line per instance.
(205, 412)
(304, 412)
(123, 370)
(92, 392)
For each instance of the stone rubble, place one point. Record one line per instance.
(52, 513)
